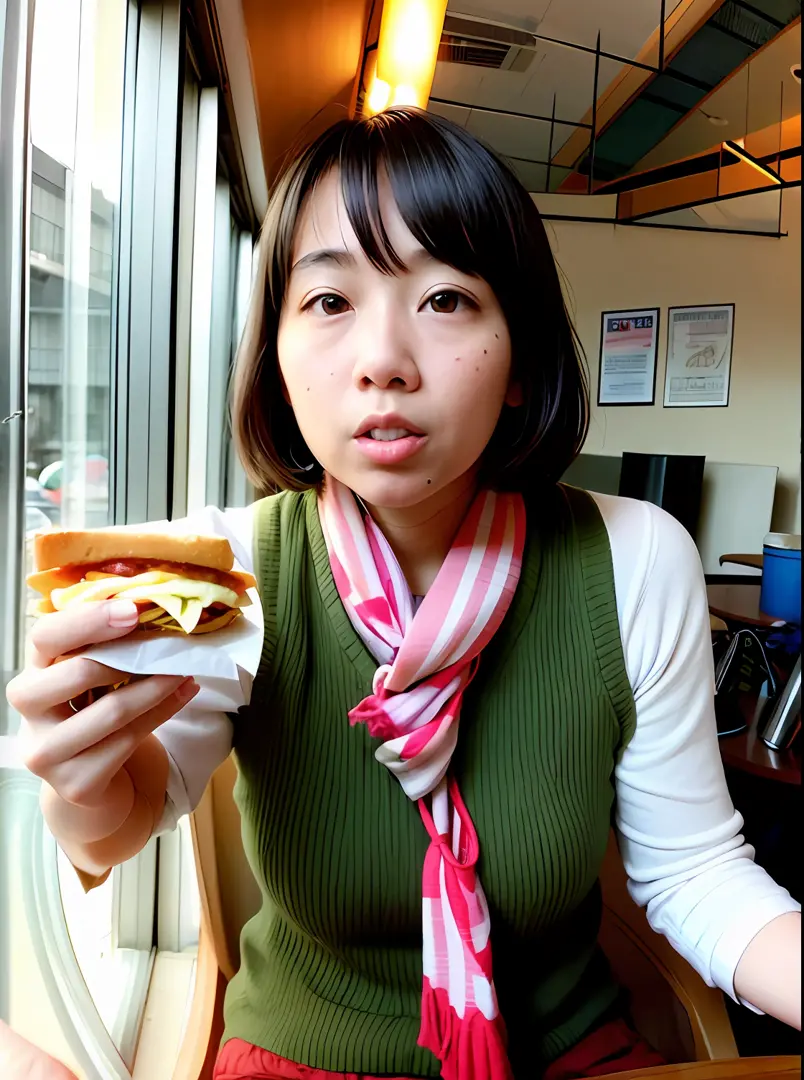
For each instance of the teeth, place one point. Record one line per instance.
(389, 434)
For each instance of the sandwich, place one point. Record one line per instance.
(180, 583)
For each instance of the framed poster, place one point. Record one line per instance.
(628, 343)
(699, 341)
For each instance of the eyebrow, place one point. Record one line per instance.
(323, 257)
(328, 256)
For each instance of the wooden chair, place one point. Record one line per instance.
(756, 562)
(685, 1020)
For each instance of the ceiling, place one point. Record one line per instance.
(714, 50)
(555, 72)
(304, 57)
(508, 66)
(754, 99)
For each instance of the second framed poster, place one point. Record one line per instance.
(628, 343)
(699, 356)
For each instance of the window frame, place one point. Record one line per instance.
(16, 29)
(149, 252)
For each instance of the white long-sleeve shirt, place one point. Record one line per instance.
(679, 834)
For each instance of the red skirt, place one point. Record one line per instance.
(612, 1048)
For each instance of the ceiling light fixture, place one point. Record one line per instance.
(407, 50)
(732, 146)
(795, 71)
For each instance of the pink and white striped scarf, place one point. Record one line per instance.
(426, 660)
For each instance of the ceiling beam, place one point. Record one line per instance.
(305, 61)
(792, 27)
(684, 21)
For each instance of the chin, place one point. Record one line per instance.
(392, 489)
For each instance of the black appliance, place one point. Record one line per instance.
(672, 481)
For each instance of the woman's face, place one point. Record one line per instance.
(396, 380)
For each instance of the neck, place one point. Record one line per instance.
(421, 536)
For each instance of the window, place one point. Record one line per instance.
(126, 241)
(76, 126)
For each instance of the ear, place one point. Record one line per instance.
(513, 395)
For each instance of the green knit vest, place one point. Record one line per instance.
(331, 967)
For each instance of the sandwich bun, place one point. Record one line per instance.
(180, 583)
(77, 547)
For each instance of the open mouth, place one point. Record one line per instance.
(389, 434)
(389, 439)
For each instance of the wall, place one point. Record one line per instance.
(613, 268)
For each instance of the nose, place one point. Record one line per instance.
(385, 351)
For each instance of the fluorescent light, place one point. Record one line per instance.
(379, 96)
(734, 147)
(407, 51)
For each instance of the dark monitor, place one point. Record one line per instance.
(672, 481)
(595, 472)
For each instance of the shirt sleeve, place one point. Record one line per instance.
(678, 832)
(199, 737)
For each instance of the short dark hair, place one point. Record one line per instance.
(468, 209)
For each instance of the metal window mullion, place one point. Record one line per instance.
(184, 288)
(220, 343)
(201, 307)
(164, 232)
(78, 224)
(239, 491)
(150, 342)
(17, 30)
(121, 310)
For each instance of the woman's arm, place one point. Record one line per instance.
(97, 837)
(679, 834)
(777, 949)
(104, 807)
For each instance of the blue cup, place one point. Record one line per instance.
(781, 577)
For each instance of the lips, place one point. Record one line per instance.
(387, 427)
(388, 439)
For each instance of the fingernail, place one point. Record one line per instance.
(187, 690)
(123, 613)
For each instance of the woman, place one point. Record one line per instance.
(411, 382)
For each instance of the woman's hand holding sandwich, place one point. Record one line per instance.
(104, 772)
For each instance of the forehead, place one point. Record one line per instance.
(323, 221)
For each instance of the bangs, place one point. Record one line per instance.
(451, 193)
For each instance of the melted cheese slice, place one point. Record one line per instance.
(182, 598)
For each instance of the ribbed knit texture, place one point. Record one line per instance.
(331, 971)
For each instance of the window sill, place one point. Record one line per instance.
(165, 1018)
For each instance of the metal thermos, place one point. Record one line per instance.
(784, 721)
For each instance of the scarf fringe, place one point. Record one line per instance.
(472, 1048)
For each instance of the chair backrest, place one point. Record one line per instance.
(672, 1007)
(229, 893)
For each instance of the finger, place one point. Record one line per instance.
(56, 743)
(84, 779)
(79, 626)
(34, 693)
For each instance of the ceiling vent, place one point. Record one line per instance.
(486, 45)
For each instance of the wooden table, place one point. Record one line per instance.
(740, 603)
(749, 754)
(781, 1068)
(746, 751)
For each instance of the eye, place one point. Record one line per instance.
(447, 302)
(328, 304)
